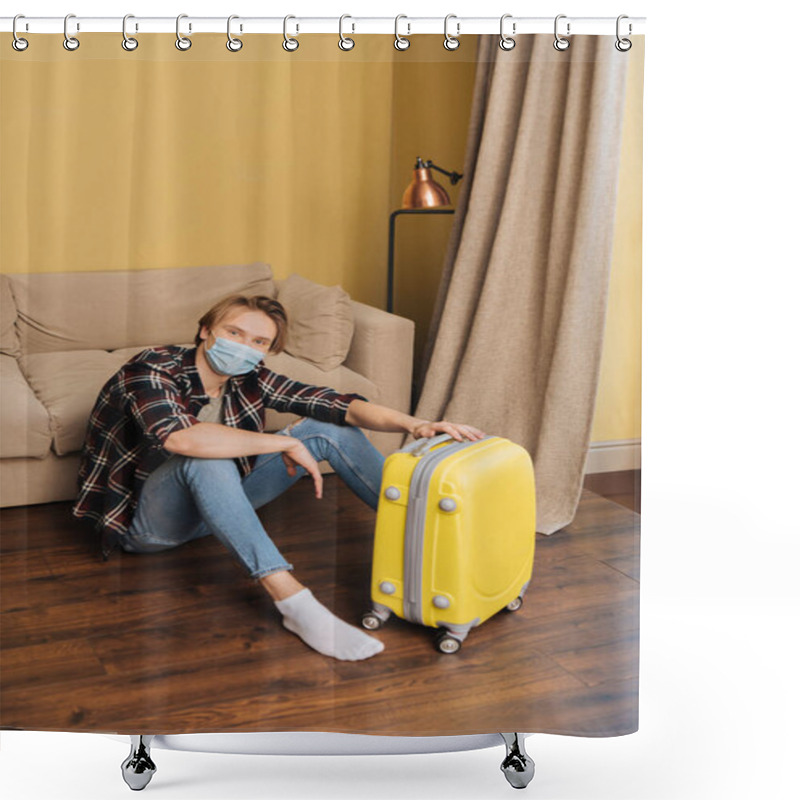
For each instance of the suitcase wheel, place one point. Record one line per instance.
(371, 621)
(515, 605)
(445, 643)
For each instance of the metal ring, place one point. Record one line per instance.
(18, 43)
(182, 42)
(128, 42)
(560, 42)
(451, 42)
(234, 45)
(345, 42)
(290, 44)
(400, 42)
(506, 42)
(623, 45)
(70, 42)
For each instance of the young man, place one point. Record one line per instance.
(175, 450)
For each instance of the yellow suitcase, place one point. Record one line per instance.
(455, 535)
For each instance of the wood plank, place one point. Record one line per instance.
(613, 661)
(22, 573)
(49, 664)
(197, 637)
(571, 630)
(401, 696)
(37, 527)
(105, 614)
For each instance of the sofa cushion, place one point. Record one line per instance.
(68, 384)
(9, 343)
(74, 311)
(320, 321)
(24, 423)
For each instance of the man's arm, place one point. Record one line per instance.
(212, 440)
(152, 397)
(375, 417)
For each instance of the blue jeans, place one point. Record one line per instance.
(188, 498)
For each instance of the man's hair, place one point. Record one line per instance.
(272, 308)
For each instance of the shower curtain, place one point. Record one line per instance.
(138, 189)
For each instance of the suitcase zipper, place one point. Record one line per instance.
(415, 525)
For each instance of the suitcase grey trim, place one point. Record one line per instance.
(459, 632)
(422, 445)
(415, 525)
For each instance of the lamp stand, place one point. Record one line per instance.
(392, 218)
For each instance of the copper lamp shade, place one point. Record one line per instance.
(424, 192)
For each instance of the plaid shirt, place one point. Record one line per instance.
(160, 391)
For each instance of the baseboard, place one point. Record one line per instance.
(614, 456)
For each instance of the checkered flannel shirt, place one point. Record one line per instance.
(160, 391)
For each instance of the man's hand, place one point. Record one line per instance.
(457, 431)
(297, 455)
(374, 417)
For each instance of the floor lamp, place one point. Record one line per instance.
(423, 196)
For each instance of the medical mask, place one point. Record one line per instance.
(232, 358)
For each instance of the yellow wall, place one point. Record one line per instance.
(618, 414)
(158, 158)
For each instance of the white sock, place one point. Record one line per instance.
(304, 615)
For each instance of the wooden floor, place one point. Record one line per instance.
(182, 641)
(624, 488)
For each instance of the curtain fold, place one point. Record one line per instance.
(517, 332)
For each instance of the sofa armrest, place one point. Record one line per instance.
(383, 351)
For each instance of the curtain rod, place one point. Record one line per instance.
(407, 26)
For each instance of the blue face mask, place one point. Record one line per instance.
(232, 358)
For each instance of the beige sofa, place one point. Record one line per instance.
(62, 335)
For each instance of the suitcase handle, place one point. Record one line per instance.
(420, 447)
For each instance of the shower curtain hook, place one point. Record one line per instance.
(182, 42)
(623, 45)
(345, 42)
(451, 42)
(18, 43)
(400, 42)
(234, 45)
(128, 42)
(506, 42)
(290, 44)
(70, 42)
(560, 42)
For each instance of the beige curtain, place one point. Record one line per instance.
(517, 330)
